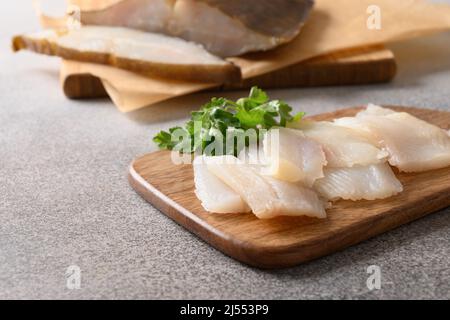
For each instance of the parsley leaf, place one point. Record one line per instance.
(221, 116)
(164, 139)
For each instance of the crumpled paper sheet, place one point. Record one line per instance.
(130, 91)
(332, 26)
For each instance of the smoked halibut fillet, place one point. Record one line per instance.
(267, 197)
(413, 145)
(343, 147)
(224, 27)
(142, 52)
(293, 157)
(215, 195)
(375, 181)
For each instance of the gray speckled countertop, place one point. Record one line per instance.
(65, 200)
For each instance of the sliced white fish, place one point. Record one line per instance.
(374, 110)
(295, 199)
(267, 197)
(343, 147)
(413, 145)
(215, 196)
(292, 156)
(254, 156)
(370, 182)
(147, 53)
(224, 27)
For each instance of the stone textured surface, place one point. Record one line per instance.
(64, 198)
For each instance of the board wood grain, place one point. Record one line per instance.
(374, 64)
(287, 241)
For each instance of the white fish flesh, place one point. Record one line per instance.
(267, 197)
(215, 195)
(413, 145)
(370, 182)
(375, 110)
(224, 27)
(292, 156)
(343, 147)
(147, 53)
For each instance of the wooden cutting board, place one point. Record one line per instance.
(374, 64)
(286, 241)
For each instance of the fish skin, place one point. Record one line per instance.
(267, 197)
(281, 17)
(252, 25)
(376, 181)
(413, 145)
(131, 14)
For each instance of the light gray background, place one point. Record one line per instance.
(64, 197)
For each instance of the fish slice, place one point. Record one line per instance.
(146, 53)
(224, 27)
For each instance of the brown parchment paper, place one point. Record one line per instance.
(130, 91)
(333, 25)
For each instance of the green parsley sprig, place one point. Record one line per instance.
(222, 115)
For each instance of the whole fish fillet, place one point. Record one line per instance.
(292, 156)
(215, 195)
(413, 145)
(267, 197)
(376, 181)
(343, 147)
(224, 27)
(147, 53)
